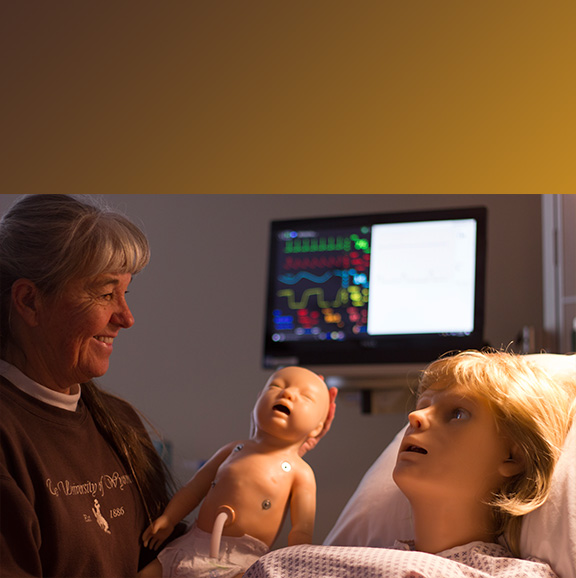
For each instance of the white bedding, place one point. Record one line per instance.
(476, 560)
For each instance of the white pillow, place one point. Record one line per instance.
(378, 513)
(549, 533)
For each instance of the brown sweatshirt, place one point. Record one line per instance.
(67, 505)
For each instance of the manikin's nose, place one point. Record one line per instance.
(418, 419)
(288, 393)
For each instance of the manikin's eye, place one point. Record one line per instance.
(460, 414)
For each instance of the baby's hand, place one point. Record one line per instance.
(157, 532)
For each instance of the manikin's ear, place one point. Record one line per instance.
(514, 464)
(316, 431)
(25, 300)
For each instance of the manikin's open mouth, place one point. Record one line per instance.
(416, 449)
(282, 408)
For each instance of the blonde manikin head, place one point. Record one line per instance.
(529, 407)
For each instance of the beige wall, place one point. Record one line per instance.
(192, 361)
(329, 96)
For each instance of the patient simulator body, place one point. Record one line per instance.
(477, 455)
(480, 448)
(247, 487)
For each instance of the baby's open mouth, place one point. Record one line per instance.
(282, 408)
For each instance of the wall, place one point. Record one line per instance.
(191, 362)
(559, 260)
(329, 96)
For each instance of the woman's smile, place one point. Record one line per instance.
(103, 339)
(82, 324)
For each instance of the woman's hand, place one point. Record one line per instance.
(310, 443)
(158, 532)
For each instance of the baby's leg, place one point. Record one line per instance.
(152, 570)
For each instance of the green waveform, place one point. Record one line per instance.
(342, 298)
(324, 244)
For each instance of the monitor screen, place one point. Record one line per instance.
(377, 288)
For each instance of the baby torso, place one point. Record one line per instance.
(257, 487)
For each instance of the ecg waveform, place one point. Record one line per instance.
(293, 279)
(327, 244)
(322, 287)
(323, 262)
(341, 298)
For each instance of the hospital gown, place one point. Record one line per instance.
(474, 560)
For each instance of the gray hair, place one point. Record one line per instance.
(54, 239)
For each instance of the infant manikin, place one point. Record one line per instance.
(246, 486)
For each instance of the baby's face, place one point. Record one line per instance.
(293, 404)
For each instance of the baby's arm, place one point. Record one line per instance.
(185, 500)
(302, 506)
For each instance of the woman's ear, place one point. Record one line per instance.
(25, 300)
(514, 464)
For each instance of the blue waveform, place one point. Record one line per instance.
(293, 279)
(346, 274)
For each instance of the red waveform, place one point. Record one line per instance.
(307, 263)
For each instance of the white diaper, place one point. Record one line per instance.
(189, 555)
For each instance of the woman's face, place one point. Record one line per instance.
(75, 331)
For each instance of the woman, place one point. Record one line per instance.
(80, 479)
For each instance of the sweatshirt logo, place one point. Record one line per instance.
(106, 482)
(100, 518)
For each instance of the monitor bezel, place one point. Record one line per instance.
(370, 350)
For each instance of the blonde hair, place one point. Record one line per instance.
(531, 408)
